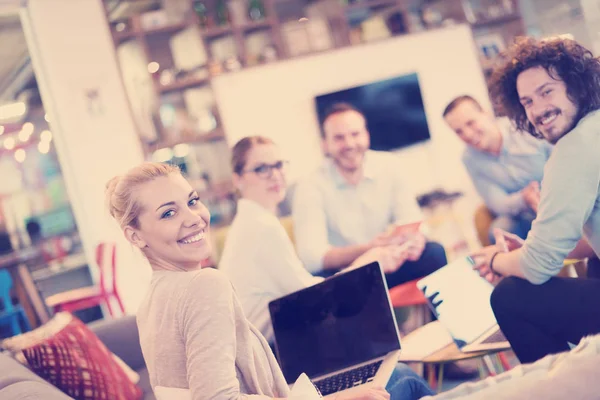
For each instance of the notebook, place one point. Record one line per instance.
(460, 299)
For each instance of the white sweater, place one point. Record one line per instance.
(260, 261)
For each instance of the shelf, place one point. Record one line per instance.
(361, 4)
(123, 36)
(215, 135)
(171, 28)
(487, 22)
(217, 31)
(120, 37)
(182, 84)
(252, 25)
(231, 29)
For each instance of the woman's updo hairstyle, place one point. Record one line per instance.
(121, 199)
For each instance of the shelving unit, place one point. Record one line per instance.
(495, 21)
(345, 27)
(183, 84)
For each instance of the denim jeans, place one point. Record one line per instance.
(405, 384)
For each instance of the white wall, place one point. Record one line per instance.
(72, 53)
(277, 100)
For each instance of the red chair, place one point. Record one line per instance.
(86, 297)
(407, 294)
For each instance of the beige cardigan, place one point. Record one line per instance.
(194, 335)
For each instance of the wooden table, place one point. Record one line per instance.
(447, 354)
(29, 297)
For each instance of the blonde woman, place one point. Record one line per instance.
(193, 332)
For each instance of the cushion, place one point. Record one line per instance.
(69, 356)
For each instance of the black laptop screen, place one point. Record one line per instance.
(341, 322)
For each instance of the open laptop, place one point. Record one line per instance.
(460, 299)
(341, 332)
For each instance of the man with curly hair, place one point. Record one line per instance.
(551, 89)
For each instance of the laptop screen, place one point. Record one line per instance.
(343, 321)
(460, 299)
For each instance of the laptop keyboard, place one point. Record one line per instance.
(348, 379)
(495, 337)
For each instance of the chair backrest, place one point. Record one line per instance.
(5, 286)
(106, 259)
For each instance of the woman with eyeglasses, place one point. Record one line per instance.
(259, 257)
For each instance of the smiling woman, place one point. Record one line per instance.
(193, 332)
(161, 214)
(167, 221)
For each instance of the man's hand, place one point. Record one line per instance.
(397, 234)
(387, 239)
(390, 257)
(531, 195)
(507, 241)
(416, 245)
(483, 259)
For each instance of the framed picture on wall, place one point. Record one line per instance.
(490, 46)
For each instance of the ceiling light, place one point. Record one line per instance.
(26, 131)
(20, 155)
(46, 136)
(47, 117)
(9, 143)
(12, 110)
(153, 67)
(43, 147)
(181, 150)
(162, 155)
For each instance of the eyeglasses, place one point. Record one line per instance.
(265, 171)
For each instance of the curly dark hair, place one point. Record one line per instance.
(563, 59)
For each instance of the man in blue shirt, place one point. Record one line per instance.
(506, 166)
(551, 89)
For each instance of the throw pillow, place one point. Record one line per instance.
(71, 357)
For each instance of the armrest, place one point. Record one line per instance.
(121, 337)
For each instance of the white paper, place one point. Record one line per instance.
(424, 342)
(304, 389)
(462, 300)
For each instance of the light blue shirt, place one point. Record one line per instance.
(499, 179)
(570, 202)
(329, 212)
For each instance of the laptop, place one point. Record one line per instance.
(460, 299)
(341, 332)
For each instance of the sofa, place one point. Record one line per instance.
(120, 336)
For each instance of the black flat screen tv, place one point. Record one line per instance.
(393, 108)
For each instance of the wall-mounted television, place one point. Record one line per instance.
(393, 108)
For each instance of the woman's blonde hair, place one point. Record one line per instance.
(121, 200)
